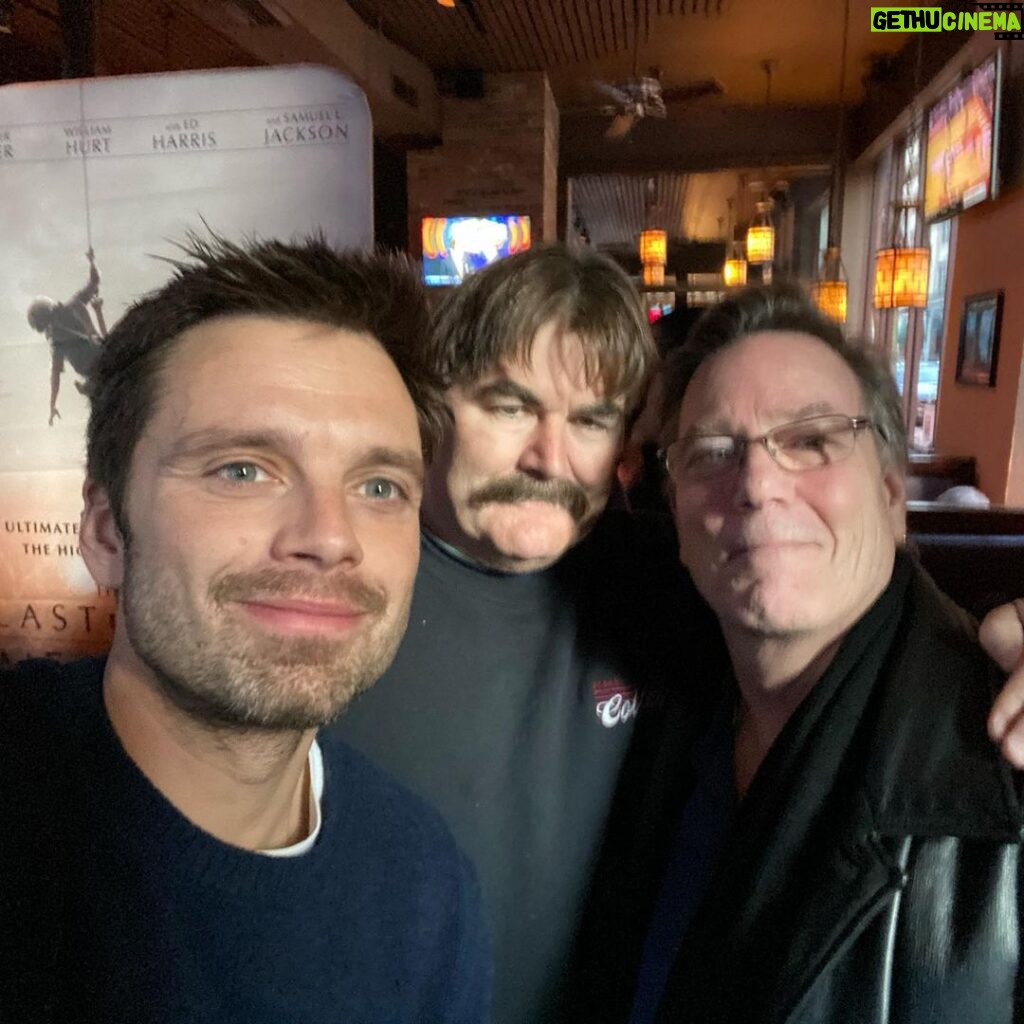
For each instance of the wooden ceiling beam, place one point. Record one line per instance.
(700, 139)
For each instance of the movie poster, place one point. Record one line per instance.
(98, 179)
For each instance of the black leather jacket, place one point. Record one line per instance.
(875, 872)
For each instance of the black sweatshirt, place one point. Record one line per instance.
(511, 707)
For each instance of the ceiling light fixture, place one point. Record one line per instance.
(830, 291)
(761, 232)
(901, 277)
(734, 270)
(653, 246)
(901, 269)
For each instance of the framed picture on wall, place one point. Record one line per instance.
(979, 339)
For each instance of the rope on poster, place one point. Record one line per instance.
(96, 302)
(85, 165)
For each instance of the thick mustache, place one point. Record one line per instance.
(509, 489)
(298, 586)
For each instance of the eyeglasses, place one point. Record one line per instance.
(803, 444)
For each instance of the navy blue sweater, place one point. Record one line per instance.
(115, 908)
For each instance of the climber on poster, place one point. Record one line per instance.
(74, 335)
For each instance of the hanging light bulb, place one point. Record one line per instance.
(734, 269)
(830, 291)
(654, 275)
(901, 270)
(761, 232)
(734, 272)
(761, 235)
(653, 247)
(901, 278)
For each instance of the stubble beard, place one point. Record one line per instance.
(226, 675)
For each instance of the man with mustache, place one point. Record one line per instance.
(178, 843)
(537, 616)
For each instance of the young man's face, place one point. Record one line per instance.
(529, 462)
(272, 505)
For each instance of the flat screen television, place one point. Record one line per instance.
(454, 247)
(960, 151)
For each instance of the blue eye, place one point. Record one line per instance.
(383, 489)
(240, 472)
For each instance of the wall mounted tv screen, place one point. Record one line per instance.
(454, 247)
(963, 128)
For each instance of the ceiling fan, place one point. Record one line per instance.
(643, 96)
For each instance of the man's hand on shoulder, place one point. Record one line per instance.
(1002, 636)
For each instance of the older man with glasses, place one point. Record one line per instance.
(850, 851)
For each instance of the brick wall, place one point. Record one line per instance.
(498, 155)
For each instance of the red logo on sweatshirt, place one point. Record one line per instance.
(615, 701)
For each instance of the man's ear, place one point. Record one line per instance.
(895, 485)
(99, 538)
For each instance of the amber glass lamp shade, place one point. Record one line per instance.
(654, 276)
(760, 244)
(653, 247)
(734, 272)
(830, 298)
(830, 291)
(901, 278)
(761, 236)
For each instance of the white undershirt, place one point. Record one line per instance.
(316, 789)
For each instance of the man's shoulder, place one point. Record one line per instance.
(391, 816)
(932, 748)
(46, 708)
(47, 712)
(401, 876)
(46, 674)
(940, 654)
(42, 686)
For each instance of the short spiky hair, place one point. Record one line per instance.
(495, 314)
(785, 307)
(377, 294)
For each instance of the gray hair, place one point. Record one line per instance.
(495, 314)
(787, 307)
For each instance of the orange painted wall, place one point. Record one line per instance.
(975, 420)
